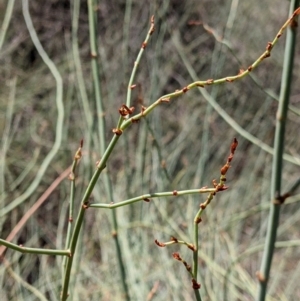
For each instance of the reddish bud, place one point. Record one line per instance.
(143, 109)
(297, 12)
(198, 220)
(269, 46)
(174, 239)
(196, 285)
(260, 277)
(118, 132)
(177, 256)
(160, 244)
(234, 145)
(192, 247)
(185, 89)
(202, 206)
(224, 169)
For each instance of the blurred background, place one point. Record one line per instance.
(46, 108)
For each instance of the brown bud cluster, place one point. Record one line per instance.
(125, 111)
(225, 168)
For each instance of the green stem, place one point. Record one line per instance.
(84, 205)
(136, 63)
(101, 132)
(71, 205)
(6, 21)
(195, 253)
(33, 250)
(197, 295)
(153, 195)
(277, 159)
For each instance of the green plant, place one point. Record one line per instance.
(97, 141)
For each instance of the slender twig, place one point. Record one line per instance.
(101, 133)
(136, 63)
(72, 178)
(225, 42)
(147, 197)
(23, 249)
(84, 205)
(218, 187)
(34, 207)
(276, 197)
(167, 97)
(6, 20)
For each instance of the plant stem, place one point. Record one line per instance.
(101, 133)
(145, 197)
(195, 253)
(6, 21)
(71, 204)
(84, 205)
(33, 250)
(277, 159)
